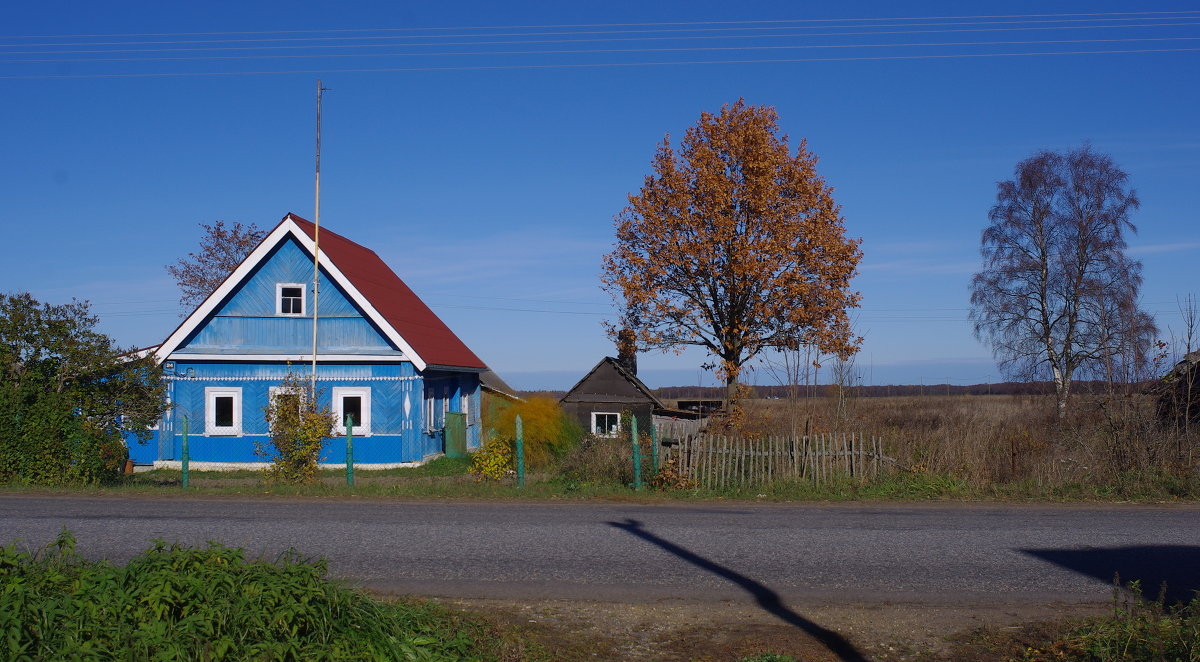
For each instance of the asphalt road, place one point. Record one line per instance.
(922, 553)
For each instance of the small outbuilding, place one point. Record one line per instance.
(611, 392)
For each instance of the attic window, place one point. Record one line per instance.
(289, 299)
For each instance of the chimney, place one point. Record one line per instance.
(627, 350)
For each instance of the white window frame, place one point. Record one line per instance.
(211, 393)
(273, 391)
(361, 428)
(597, 432)
(279, 299)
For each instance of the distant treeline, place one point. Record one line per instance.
(824, 390)
(829, 390)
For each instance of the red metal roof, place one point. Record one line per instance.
(428, 335)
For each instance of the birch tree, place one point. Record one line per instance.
(1057, 294)
(735, 244)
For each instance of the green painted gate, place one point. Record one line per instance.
(456, 434)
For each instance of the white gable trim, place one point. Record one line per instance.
(285, 229)
(293, 358)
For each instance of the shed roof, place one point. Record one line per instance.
(580, 391)
(490, 381)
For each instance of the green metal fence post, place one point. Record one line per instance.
(637, 458)
(520, 453)
(350, 451)
(654, 447)
(185, 457)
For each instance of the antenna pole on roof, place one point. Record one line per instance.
(316, 242)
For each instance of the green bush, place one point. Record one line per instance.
(299, 427)
(178, 603)
(68, 395)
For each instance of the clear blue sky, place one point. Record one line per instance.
(488, 178)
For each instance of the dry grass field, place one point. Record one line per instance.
(991, 440)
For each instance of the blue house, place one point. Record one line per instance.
(383, 358)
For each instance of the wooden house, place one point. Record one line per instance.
(607, 395)
(383, 358)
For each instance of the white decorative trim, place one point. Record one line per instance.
(294, 358)
(243, 466)
(303, 287)
(285, 228)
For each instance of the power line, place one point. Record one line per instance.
(611, 50)
(650, 36)
(500, 43)
(596, 65)
(494, 298)
(598, 25)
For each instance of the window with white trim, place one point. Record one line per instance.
(289, 299)
(606, 424)
(282, 396)
(352, 401)
(222, 411)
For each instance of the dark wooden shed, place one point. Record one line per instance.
(607, 395)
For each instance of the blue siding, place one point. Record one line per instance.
(247, 322)
(289, 263)
(395, 435)
(283, 335)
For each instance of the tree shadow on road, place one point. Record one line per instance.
(766, 598)
(1178, 566)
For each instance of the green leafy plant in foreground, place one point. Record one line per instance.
(1137, 630)
(174, 602)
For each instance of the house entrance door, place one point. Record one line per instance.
(456, 434)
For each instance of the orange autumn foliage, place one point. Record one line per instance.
(736, 245)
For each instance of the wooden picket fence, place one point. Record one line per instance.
(717, 461)
(672, 428)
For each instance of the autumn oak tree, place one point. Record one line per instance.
(734, 244)
(1057, 294)
(222, 249)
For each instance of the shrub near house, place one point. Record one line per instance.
(68, 394)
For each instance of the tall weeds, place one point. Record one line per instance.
(1110, 440)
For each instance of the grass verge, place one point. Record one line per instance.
(1135, 630)
(449, 478)
(178, 603)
